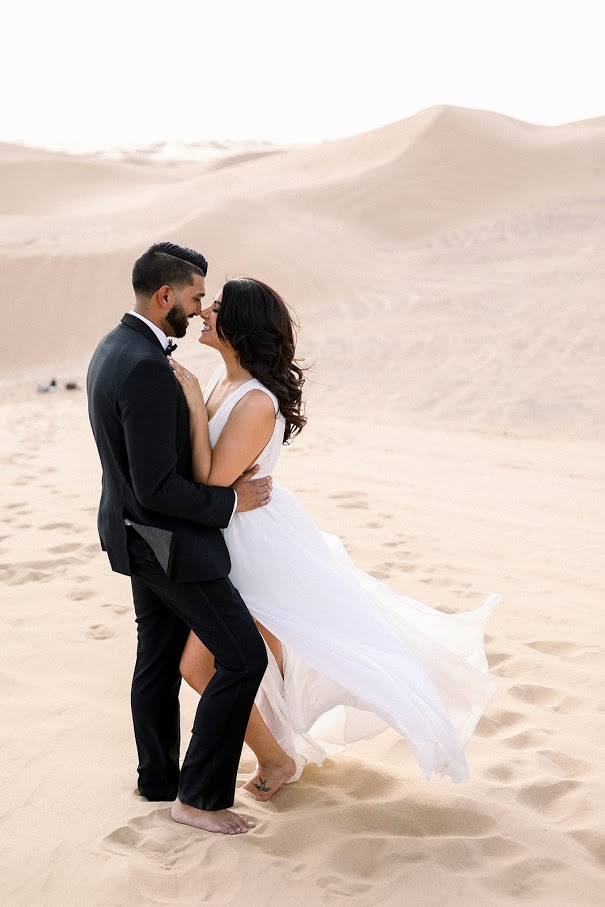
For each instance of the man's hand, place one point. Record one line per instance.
(252, 494)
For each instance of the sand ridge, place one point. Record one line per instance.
(455, 253)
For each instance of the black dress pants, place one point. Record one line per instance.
(165, 612)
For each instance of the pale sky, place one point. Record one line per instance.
(119, 73)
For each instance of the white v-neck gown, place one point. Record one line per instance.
(357, 657)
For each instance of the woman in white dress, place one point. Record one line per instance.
(347, 656)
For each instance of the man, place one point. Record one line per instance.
(163, 530)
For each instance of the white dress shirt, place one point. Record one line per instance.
(159, 333)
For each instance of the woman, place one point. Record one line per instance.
(347, 657)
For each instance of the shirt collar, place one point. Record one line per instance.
(159, 333)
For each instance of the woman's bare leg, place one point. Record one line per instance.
(274, 765)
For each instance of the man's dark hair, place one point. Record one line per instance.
(165, 263)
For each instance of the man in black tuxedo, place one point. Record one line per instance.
(163, 530)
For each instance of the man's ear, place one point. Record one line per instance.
(166, 297)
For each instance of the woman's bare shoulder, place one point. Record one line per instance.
(256, 403)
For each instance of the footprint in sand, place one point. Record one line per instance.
(496, 658)
(51, 526)
(456, 856)
(98, 631)
(350, 500)
(527, 739)
(80, 595)
(553, 647)
(547, 698)
(568, 765)
(505, 772)
(570, 704)
(379, 574)
(593, 842)
(123, 840)
(491, 725)
(380, 784)
(338, 887)
(63, 549)
(534, 694)
(382, 571)
(33, 571)
(567, 650)
(155, 837)
(406, 818)
(524, 877)
(441, 581)
(21, 577)
(560, 648)
(500, 848)
(117, 609)
(138, 834)
(514, 667)
(542, 796)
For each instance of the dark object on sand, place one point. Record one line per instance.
(72, 386)
(48, 388)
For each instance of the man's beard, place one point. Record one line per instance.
(178, 320)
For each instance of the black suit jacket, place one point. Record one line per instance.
(140, 421)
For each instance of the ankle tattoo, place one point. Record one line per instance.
(262, 786)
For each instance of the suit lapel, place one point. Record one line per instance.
(132, 322)
(182, 412)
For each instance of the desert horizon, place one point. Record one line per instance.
(447, 273)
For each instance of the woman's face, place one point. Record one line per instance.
(209, 337)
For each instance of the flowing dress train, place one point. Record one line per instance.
(358, 658)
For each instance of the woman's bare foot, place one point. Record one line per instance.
(220, 821)
(269, 777)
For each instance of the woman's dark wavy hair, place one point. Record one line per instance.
(258, 324)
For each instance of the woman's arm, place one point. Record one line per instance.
(246, 433)
(148, 400)
(201, 452)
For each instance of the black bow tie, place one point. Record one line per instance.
(171, 346)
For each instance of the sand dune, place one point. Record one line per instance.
(447, 271)
(475, 235)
